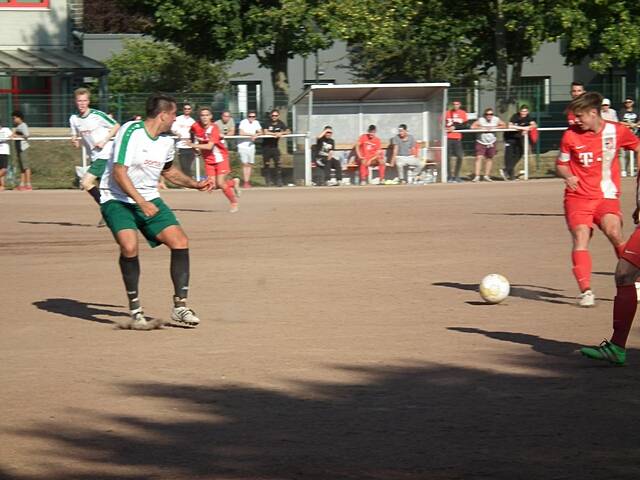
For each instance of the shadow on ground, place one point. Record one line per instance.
(62, 224)
(83, 310)
(550, 414)
(528, 292)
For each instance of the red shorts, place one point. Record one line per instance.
(580, 211)
(632, 248)
(215, 169)
(487, 151)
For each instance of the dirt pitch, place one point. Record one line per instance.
(342, 338)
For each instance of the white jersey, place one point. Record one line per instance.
(488, 138)
(5, 135)
(249, 128)
(182, 128)
(93, 128)
(145, 156)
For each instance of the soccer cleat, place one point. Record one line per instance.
(487, 178)
(138, 322)
(476, 179)
(234, 208)
(503, 174)
(236, 187)
(587, 299)
(184, 316)
(607, 351)
(623, 173)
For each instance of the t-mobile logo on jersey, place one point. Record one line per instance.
(586, 158)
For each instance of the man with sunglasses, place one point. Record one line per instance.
(486, 143)
(270, 150)
(182, 129)
(246, 147)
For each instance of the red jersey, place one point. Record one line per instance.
(593, 158)
(455, 117)
(211, 134)
(369, 147)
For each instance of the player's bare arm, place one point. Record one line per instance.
(110, 134)
(564, 172)
(176, 177)
(121, 176)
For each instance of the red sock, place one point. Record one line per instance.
(624, 309)
(619, 249)
(228, 191)
(582, 268)
(364, 172)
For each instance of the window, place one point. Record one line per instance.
(24, 3)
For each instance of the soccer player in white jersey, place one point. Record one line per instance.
(130, 202)
(95, 129)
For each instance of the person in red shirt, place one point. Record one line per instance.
(369, 153)
(588, 163)
(455, 119)
(577, 89)
(215, 155)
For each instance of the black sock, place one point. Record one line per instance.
(130, 268)
(180, 273)
(95, 193)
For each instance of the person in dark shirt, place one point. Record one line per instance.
(324, 157)
(514, 141)
(629, 117)
(270, 151)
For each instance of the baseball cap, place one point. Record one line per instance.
(606, 101)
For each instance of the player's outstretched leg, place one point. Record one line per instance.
(130, 269)
(180, 278)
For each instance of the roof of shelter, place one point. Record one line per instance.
(47, 61)
(373, 92)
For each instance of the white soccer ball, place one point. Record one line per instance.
(494, 288)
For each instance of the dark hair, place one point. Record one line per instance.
(275, 110)
(252, 111)
(628, 99)
(187, 104)
(487, 110)
(17, 113)
(328, 126)
(204, 107)
(403, 126)
(586, 101)
(372, 128)
(524, 107)
(158, 103)
(577, 84)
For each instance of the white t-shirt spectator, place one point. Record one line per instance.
(182, 128)
(248, 128)
(488, 138)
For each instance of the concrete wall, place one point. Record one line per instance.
(101, 46)
(35, 27)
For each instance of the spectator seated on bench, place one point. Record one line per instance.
(324, 158)
(404, 152)
(369, 154)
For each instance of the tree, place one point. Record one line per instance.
(273, 30)
(146, 65)
(106, 16)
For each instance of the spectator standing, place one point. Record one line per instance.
(325, 160)
(607, 112)
(514, 141)
(247, 147)
(182, 129)
(456, 119)
(486, 143)
(226, 124)
(21, 133)
(404, 147)
(270, 149)
(95, 129)
(368, 154)
(629, 117)
(5, 152)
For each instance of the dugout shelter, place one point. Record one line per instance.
(350, 109)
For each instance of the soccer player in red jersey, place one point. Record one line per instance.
(215, 154)
(577, 89)
(588, 162)
(368, 151)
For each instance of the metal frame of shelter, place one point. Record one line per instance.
(349, 109)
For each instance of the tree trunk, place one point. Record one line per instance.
(280, 81)
(502, 88)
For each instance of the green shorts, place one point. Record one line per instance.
(98, 167)
(128, 216)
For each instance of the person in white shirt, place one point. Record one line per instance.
(486, 143)
(182, 129)
(607, 112)
(5, 151)
(95, 129)
(247, 147)
(130, 201)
